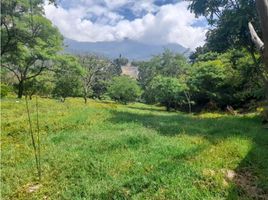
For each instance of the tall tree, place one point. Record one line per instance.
(97, 72)
(262, 45)
(91, 66)
(67, 77)
(167, 64)
(230, 20)
(29, 41)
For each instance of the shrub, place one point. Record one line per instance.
(168, 91)
(124, 89)
(5, 89)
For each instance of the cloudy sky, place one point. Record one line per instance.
(147, 21)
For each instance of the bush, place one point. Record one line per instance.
(167, 91)
(124, 89)
(5, 89)
(67, 86)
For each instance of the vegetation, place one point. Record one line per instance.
(29, 42)
(127, 150)
(168, 91)
(232, 20)
(97, 74)
(105, 150)
(4, 90)
(124, 89)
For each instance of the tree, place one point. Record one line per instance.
(42, 85)
(67, 85)
(225, 79)
(230, 19)
(124, 89)
(96, 74)
(168, 91)
(67, 75)
(208, 82)
(91, 65)
(229, 24)
(262, 8)
(29, 41)
(167, 64)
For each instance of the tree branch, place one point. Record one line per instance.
(12, 70)
(5, 46)
(37, 73)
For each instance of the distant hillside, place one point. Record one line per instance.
(133, 50)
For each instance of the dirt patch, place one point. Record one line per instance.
(32, 187)
(244, 179)
(248, 182)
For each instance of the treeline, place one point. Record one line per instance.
(226, 71)
(87, 76)
(208, 81)
(231, 27)
(33, 61)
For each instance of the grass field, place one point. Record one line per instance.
(104, 150)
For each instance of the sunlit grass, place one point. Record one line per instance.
(105, 150)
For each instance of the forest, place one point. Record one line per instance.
(73, 126)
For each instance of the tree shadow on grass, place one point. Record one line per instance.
(157, 109)
(251, 176)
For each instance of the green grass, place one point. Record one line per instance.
(104, 150)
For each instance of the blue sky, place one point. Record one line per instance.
(147, 21)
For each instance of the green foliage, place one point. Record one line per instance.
(136, 151)
(4, 90)
(42, 85)
(230, 20)
(167, 90)
(67, 77)
(225, 79)
(167, 64)
(124, 89)
(97, 73)
(29, 41)
(67, 86)
(208, 80)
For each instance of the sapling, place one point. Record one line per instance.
(36, 145)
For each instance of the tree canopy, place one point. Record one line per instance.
(29, 41)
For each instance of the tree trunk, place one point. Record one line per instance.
(20, 89)
(262, 45)
(85, 95)
(262, 7)
(190, 107)
(188, 98)
(168, 106)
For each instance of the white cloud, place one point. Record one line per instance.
(172, 23)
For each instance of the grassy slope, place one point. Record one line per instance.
(110, 151)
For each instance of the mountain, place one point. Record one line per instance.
(130, 49)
